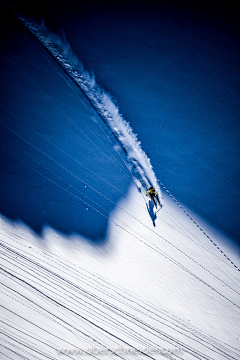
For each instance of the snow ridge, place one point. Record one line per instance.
(138, 163)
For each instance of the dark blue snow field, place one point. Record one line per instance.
(175, 74)
(58, 165)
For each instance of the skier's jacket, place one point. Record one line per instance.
(151, 192)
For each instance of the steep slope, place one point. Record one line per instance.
(147, 290)
(85, 264)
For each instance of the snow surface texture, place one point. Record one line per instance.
(166, 288)
(139, 164)
(152, 282)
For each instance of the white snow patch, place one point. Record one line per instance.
(147, 286)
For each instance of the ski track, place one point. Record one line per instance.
(138, 163)
(79, 300)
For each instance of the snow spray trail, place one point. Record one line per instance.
(138, 163)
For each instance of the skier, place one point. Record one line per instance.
(153, 194)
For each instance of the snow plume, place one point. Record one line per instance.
(57, 45)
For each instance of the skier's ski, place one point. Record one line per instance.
(157, 210)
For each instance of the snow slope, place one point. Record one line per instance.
(166, 287)
(138, 163)
(85, 263)
(174, 72)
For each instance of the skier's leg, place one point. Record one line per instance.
(154, 201)
(158, 200)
